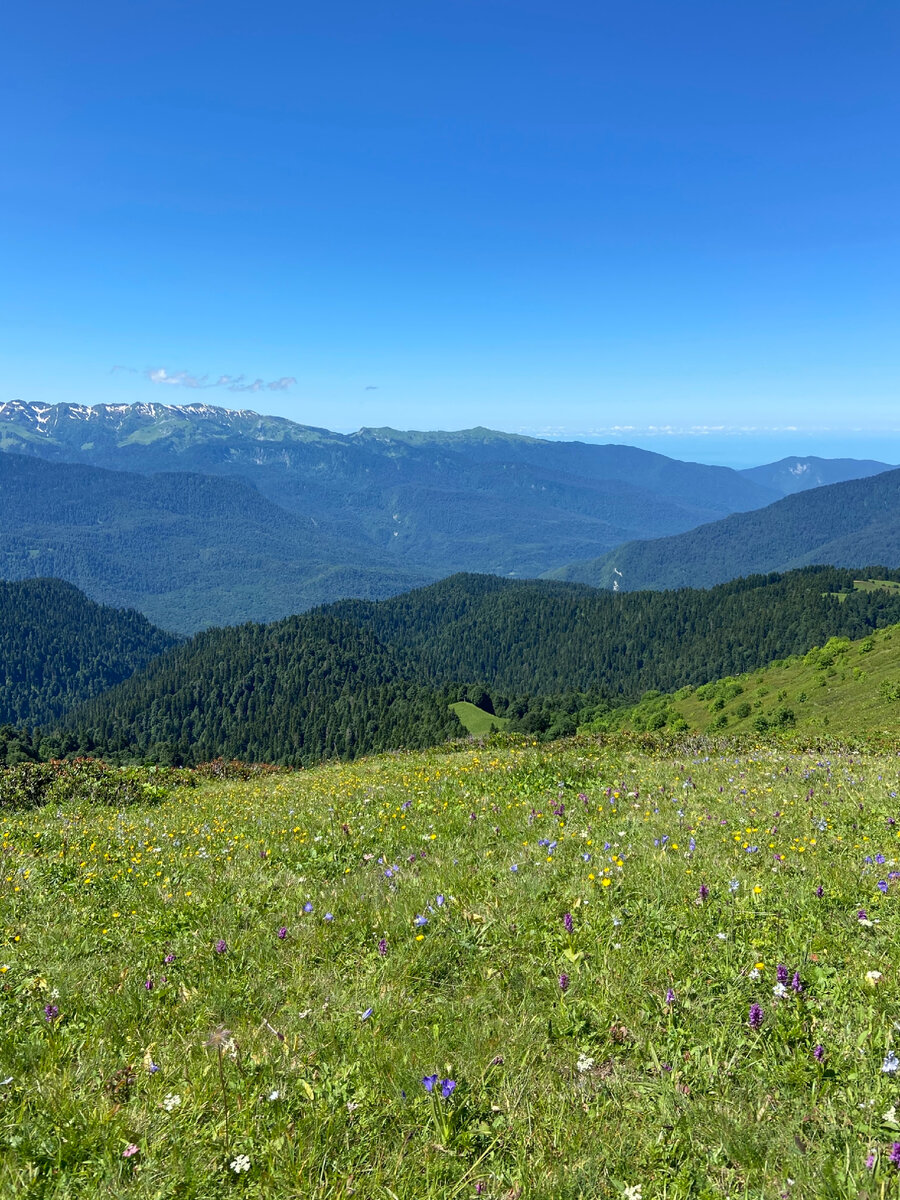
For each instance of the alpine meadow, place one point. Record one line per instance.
(450, 601)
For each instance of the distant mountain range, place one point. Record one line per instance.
(791, 475)
(841, 524)
(199, 515)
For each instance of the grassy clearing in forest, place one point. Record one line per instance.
(246, 990)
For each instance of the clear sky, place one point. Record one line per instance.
(585, 218)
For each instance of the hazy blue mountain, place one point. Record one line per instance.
(187, 550)
(58, 648)
(429, 502)
(790, 475)
(842, 524)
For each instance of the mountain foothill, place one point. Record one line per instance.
(188, 582)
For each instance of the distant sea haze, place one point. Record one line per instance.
(740, 450)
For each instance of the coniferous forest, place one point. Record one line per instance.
(360, 677)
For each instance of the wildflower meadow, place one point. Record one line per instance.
(501, 970)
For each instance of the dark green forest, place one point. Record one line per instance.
(305, 689)
(360, 677)
(58, 648)
(539, 638)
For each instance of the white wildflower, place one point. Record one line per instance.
(633, 1192)
(585, 1062)
(274, 1095)
(891, 1064)
(780, 991)
(241, 1163)
(171, 1102)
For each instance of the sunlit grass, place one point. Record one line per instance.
(262, 973)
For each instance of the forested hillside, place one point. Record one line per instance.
(309, 688)
(186, 550)
(58, 648)
(790, 475)
(432, 503)
(842, 524)
(537, 637)
(358, 677)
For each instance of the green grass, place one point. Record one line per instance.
(306, 1053)
(476, 720)
(869, 585)
(842, 689)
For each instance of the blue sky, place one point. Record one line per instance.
(645, 222)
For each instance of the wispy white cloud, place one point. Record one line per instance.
(232, 383)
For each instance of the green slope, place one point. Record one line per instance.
(843, 688)
(476, 720)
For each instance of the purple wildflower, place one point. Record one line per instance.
(670, 996)
(365, 1016)
(439, 900)
(428, 1082)
(148, 984)
(447, 1086)
(282, 932)
(170, 958)
(130, 1150)
(819, 1053)
(797, 983)
(307, 907)
(51, 1012)
(883, 886)
(894, 1156)
(870, 1161)
(563, 982)
(420, 920)
(328, 917)
(862, 915)
(221, 946)
(820, 891)
(382, 946)
(781, 973)
(153, 1068)
(704, 891)
(567, 922)
(755, 1018)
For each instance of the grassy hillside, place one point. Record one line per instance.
(476, 720)
(579, 949)
(843, 688)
